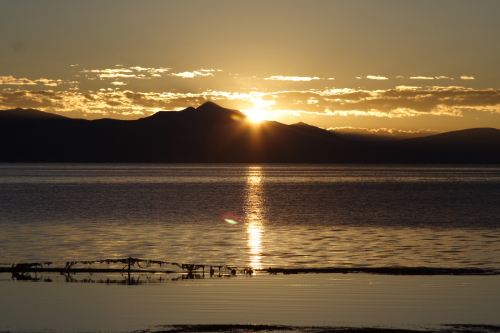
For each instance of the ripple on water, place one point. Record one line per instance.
(331, 215)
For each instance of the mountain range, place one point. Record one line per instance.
(213, 134)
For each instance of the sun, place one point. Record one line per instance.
(256, 116)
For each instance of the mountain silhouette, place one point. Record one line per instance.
(213, 134)
(28, 114)
(469, 146)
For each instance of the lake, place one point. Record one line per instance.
(259, 216)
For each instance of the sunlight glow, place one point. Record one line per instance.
(256, 116)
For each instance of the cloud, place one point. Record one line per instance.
(376, 77)
(421, 78)
(10, 80)
(292, 78)
(189, 75)
(126, 72)
(441, 77)
(404, 101)
(13, 81)
(138, 72)
(384, 132)
(467, 77)
(401, 102)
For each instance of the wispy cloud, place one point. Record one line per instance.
(189, 75)
(136, 72)
(376, 77)
(383, 132)
(422, 78)
(13, 81)
(467, 77)
(292, 78)
(10, 80)
(404, 101)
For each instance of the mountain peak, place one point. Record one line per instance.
(302, 124)
(217, 110)
(208, 105)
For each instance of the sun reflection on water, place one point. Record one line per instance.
(254, 214)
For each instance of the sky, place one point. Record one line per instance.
(376, 65)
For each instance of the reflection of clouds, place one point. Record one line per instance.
(254, 214)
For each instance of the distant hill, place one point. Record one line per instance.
(378, 136)
(475, 145)
(211, 133)
(28, 114)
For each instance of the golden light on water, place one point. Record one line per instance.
(254, 215)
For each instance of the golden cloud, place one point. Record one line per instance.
(376, 77)
(404, 101)
(10, 80)
(421, 78)
(126, 72)
(189, 75)
(292, 78)
(383, 131)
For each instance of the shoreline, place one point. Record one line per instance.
(274, 271)
(241, 328)
(138, 265)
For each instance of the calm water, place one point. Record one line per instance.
(287, 215)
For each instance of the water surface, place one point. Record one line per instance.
(287, 215)
(306, 300)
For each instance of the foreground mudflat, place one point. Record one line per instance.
(458, 328)
(113, 303)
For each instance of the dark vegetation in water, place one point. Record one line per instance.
(145, 266)
(458, 328)
(128, 264)
(212, 134)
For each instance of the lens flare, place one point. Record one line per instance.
(236, 117)
(231, 218)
